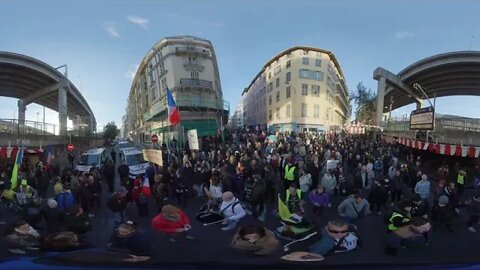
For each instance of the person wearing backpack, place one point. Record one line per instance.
(232, 210)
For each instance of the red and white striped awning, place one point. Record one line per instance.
(442, 149)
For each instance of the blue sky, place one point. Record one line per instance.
(103, 41)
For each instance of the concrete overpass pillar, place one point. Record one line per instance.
(21, 116)
(419, 104)
(382, 83)
(62, 107)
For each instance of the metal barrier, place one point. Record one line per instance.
(14, 126)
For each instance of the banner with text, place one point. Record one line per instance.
(154, 156)
(193, 139)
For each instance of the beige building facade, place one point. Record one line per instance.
(188, 67)
(300, 89)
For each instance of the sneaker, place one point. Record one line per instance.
(379, 212)
(472, 229)
(17, 251)
(91, 215)
(329, 205)
(190, 237)
(228, 228)
(261, 218)
(172, 240)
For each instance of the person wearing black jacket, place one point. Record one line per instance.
(378, 196)
(443, 213)
(258, 197)
(124, 172)
(117, 203)
(473, 210)
(131, 239)
(109, 174)
(419, 207)
(54, 217)
(77, 221)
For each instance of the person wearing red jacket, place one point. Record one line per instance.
(172, 222)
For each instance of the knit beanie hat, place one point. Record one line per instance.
(443, 200)
(52, 203)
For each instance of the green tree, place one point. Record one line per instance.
(366, 104)
(110, 131)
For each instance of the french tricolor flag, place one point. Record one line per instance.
(173, 113)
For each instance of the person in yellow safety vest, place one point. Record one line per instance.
(462, 175)
(400, 217)
(293, 199)
(25, 192)
(290, 173)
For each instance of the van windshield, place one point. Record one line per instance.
(89, 160)
(134, 159)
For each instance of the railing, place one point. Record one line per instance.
(14, 126)
(196, 83)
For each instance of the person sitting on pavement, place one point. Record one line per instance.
(77, 221)
(22, 237)
(232, 210)
(473, 210)
(61, 242)
(127, 237)
(419, 207)
(353, 207)
(400, 217)
(172, 222)
(255, 239)
(414, 235)
(337, 237)
(293, 199)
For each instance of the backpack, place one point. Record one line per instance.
(232, 205)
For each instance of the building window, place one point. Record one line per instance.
(194, 75)
(305, 60)
(305, 52)
(269, 75)
(164, 83)
(269, 100)
(304, 109)
(318, 62)
(270, 115)
(288, 63)
(316, 90)
(278, 96)
(154, 93)
(192, 60)
(287, 94)
(196, 99)
(304, 89)
(289, 77)
(316, 111)
(270, 87)
(277, 70)
(311, 74)
(277, 113)
(277, 82)
(288, 111)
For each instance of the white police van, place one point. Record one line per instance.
(91, 158)
(133, 158)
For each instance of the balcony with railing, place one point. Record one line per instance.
(193, 51)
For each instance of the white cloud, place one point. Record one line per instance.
(142, 22)
(110, 27)
(404, 35)
(130, 73)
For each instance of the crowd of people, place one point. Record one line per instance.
(296, 176)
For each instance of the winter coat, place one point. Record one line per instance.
(232, 210)
(351, 209)
(65, 200)
(54, 219)
(78, 224)
(139, 243)
(117, 204)
(329, 182)
(397, 184)
(474, 208)
(422, 188)
(318, 199)
(266, 245)
(259, 192)
(161, 224)
(18, 240)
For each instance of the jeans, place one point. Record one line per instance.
(119, 218)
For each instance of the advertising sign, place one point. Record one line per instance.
(422, 119)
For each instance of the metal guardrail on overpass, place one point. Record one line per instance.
(447, 130)
(14, 126)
